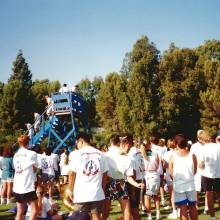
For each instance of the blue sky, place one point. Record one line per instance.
(69, 40)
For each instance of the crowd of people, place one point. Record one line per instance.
(135, 173)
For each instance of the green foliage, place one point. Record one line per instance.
(181, 83)
(17, 98)
(142, 95)
(40, 89)
(210, 49)
(89, 92)
(108, 99)
(210, 108)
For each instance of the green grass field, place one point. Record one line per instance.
(115, 212)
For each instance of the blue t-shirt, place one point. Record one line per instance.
(7, 168)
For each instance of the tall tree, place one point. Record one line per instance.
(210, 108)
(181, 83)
(142, 87)
(108, 99)
(17, 100)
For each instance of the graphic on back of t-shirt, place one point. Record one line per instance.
(45, 165)
(90, 168)
(18, 168)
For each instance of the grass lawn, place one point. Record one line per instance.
(115, 212)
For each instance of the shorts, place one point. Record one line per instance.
(57, 175)
(25, 197)
(134, 195)
(45, 178)
(8, 180)
(47, 218)
(92, 207)
(116, 190)
(152, 185)
(185, 198)
(210, 184)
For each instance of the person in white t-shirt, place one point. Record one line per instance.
(49, 101)
(25, 165)
(87, 177)
(182, 169)
(56, 170)
(48, 166)
(64, 165)
(166, 159)
(160, 150)
(152, 178)
(37, 121)
(121, 171)
(46, 210)
(74, 88)
(135, 194)
(64, 88)
(196, 149)
(209, 163)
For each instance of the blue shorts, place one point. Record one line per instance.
(185, 198)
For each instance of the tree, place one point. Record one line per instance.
(142, 87)
(40, 89)
(210, 108)
(210, 49)
(17, 100)
(108, 99)
(181, 83)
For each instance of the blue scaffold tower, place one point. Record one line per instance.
(60, 127)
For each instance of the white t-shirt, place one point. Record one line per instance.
(89, 164)
(1, 158)
(138, 161)
(120, 166)
(196, 149)
(167, 157)
(48, 164)
(160, 152)
(64, 89)
(183, 173)
(210, 155)
(45, 208)
(64, 167)
(24, 162)
(56, 160)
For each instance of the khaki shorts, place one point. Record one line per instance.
(92, 207)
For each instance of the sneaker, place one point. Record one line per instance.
(167, 207)
(158, 216)
(149, 217)
(172, 215)
(213, 218)
(163, 202)
(3, 201)
(205, 212)
(8, 201)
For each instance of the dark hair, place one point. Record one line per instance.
(7, 152)
(181, 141)
(1, 151)
(83, 136)
(65, 85)
(127, 139)
(154, 139)
(115, 139)
(48, 151)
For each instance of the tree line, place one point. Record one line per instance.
(153, 93)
